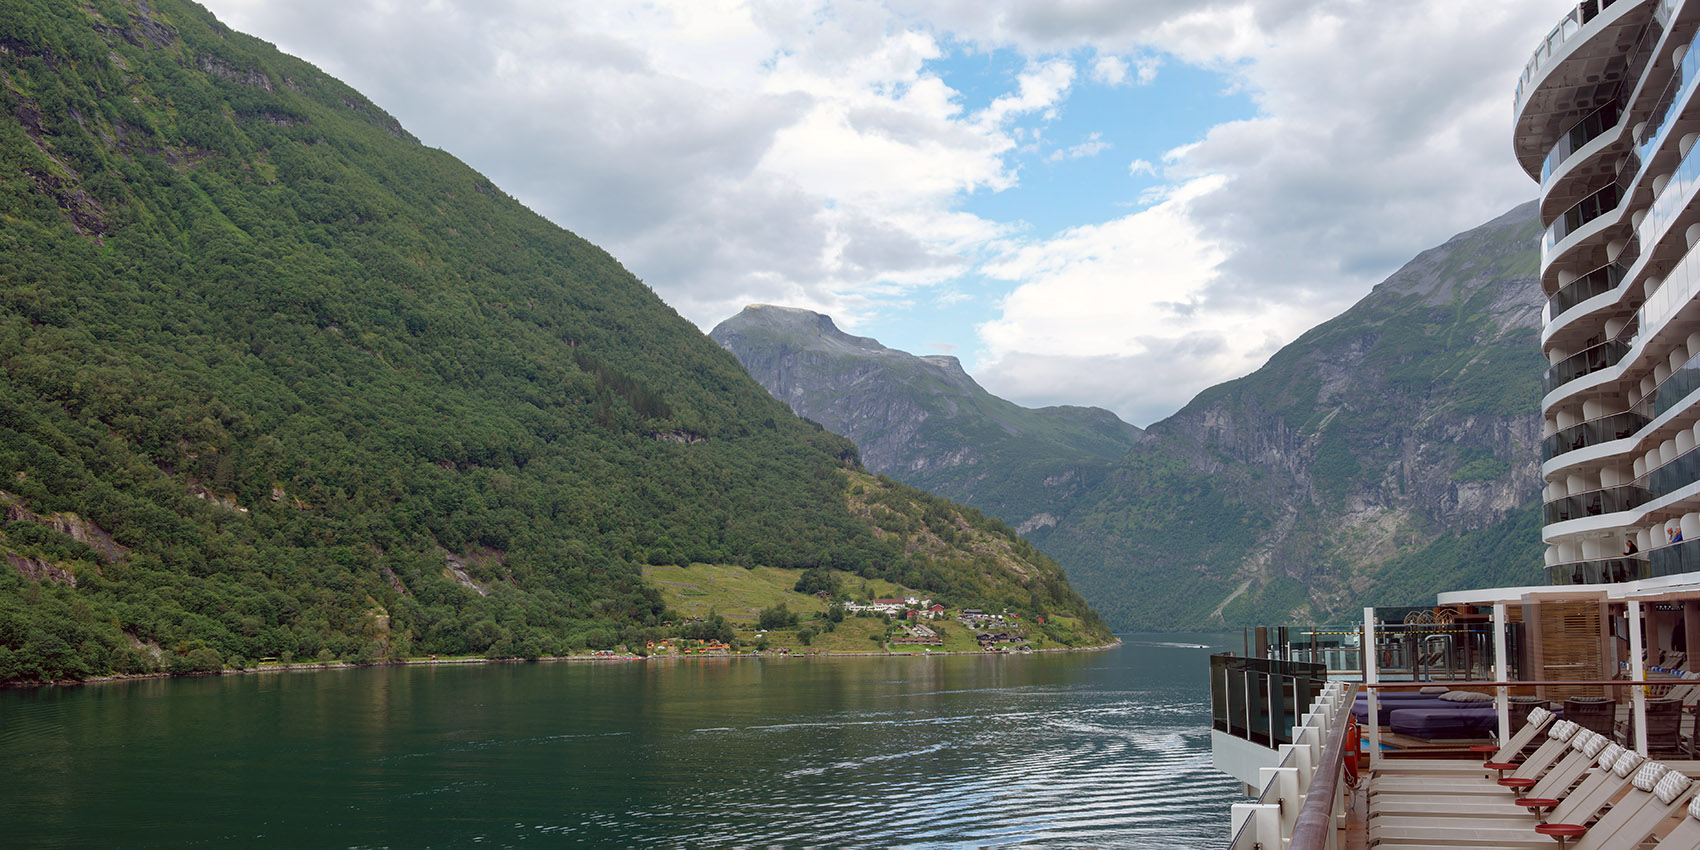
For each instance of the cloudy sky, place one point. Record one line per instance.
(1109, 202)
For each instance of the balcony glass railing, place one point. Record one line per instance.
(1579, 134)
(1601, 202)
(1567, 28)
(1672, 201)
(1675, 559)
(1676, 91)
(1593, 432)
(1671, 477)
(1670, 394)
(1601, 280)
(1587, 361)
(1603, 571)
(1656, 483)
(1596, 503)
(1261, 699)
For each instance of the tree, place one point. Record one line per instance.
(777, 617)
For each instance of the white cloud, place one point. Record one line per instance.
(1093, 146)
(1039, 88)
(803, 152)
(1110, 70)
(1146, 71)
(1382, 129)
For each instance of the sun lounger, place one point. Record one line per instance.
(1600, 781)
(1686, 836)
(1634, 817)
(1656, 792)
(1585, 748)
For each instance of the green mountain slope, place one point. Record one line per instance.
(924, 421)
(1387, 454)
(276, 380)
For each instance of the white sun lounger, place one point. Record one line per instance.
(1656, 793)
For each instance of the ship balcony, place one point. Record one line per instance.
(1674, 559)
(1586, 362)
(1667, 492)
(1587, 157)
(1609, 500)
(1605, 429)
(1600, 571)
(1581, 297)
(1573, 221)
(1581, 65)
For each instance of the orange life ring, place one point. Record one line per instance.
(1353, 750)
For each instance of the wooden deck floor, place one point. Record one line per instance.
(1353, 836)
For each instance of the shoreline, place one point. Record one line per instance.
(304, 667)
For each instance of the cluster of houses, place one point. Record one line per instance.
(689, 647)
(989, 641)
(919, 634)
(974, 618)
(909, 608)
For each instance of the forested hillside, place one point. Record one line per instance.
(278, 381)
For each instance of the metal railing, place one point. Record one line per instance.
(1298, 799)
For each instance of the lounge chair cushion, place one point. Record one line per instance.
(1672, 786)
(1466, 696)
(1627, 763)
(1562, 730)
(1539, 715)
(1434, 689)
(1649, 775)
(1609, 757)
(1594, 745)
(1694, 807)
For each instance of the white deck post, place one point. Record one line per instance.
(1501, 672)
(1371, 663)
(1637, 673)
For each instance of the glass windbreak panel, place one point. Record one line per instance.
(1602, 356)
(1581, 133)
(1602, 571)
(1260, 699)
(1596, 282)
(1596, 503)
(1434, 644)
(1219, 695)
(1593, 432)
(1337, 648)
(1675, 559)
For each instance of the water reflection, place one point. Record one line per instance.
(1108, 749)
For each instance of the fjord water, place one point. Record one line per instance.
(1104, 749)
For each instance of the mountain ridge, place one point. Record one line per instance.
(1362, 463)
(924, 420)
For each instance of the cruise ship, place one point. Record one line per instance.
(1561, 714)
